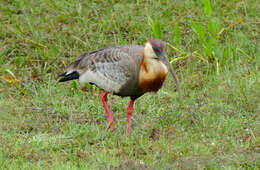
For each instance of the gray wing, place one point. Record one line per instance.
(109, 68)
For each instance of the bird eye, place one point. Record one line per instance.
(157, 50)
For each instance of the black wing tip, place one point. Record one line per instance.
(68, 77)
(63, 79)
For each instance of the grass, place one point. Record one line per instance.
(215, 45)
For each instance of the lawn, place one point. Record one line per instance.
(214, 47)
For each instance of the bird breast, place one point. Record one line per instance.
(152, 75)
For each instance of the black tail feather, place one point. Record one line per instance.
(71, 76)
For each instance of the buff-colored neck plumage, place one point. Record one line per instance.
(153, 71)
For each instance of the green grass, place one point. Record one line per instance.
(216, 52)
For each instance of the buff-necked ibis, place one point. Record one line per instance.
(127, 70)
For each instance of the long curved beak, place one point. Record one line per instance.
(172, 73)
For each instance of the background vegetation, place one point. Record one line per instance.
(214, 47)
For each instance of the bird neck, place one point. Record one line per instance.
(152, 74)
(153, 67)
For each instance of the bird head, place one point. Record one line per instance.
(156, 49)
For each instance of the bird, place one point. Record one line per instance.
(124, 70)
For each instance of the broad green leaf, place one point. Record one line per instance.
(200, 30)
(212, 27)
(217, 23)
(157, 30)
(209, 45)
(207, 7)
(155, 27)
(177, 32)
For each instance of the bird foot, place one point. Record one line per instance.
(111, 124)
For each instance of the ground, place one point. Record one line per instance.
(214, 123)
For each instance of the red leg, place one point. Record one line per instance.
(109, 115)
(129, 115)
